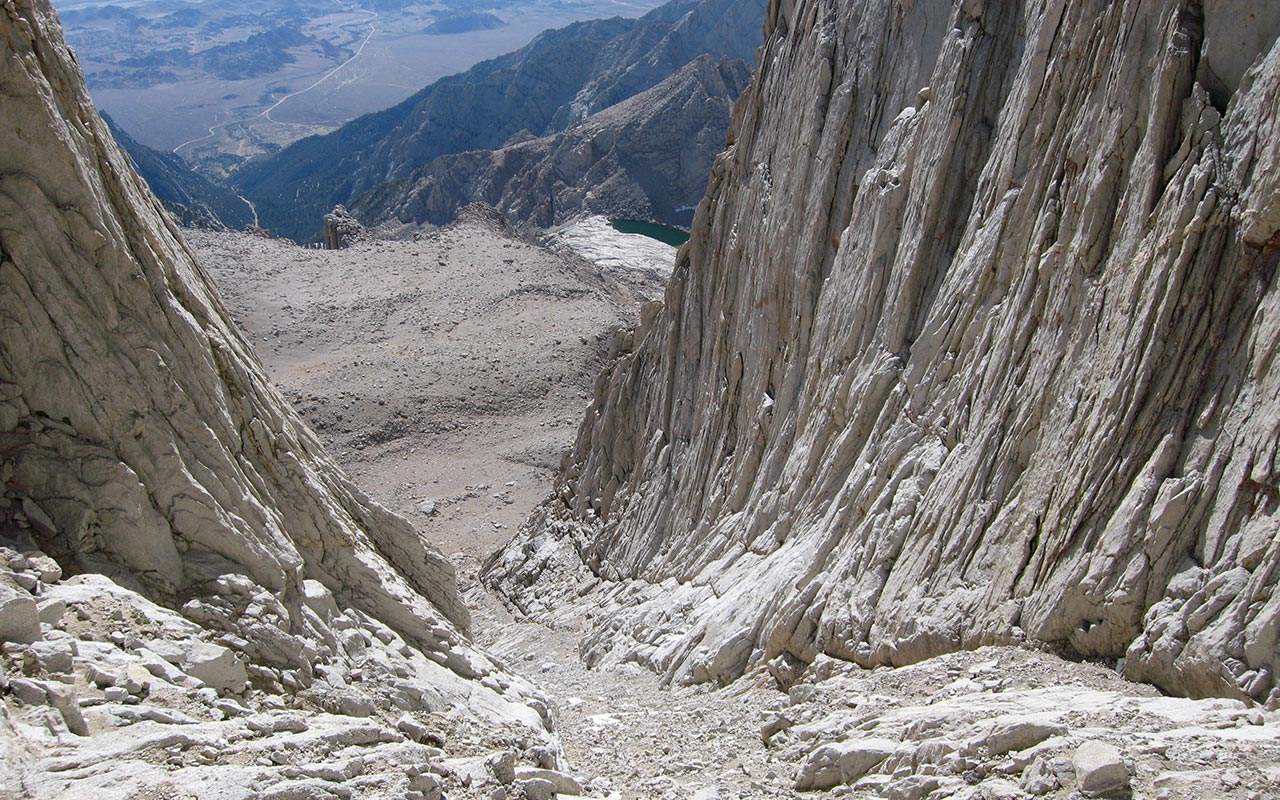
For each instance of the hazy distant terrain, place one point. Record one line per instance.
(561, 77)
(223, 82)
(193, 199)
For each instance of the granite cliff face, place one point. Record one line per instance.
(646, 157)
(141, 435)
(975, 342)
(142, 448)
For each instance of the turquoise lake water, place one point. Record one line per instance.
(663, 233)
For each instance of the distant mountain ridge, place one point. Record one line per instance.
(647, 157)
(562, 76)
(193, 199)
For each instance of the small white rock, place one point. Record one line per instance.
(1100, 769)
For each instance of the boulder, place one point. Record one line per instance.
(214, 664)
(538, 789)
(1019, 734)
(561, 783)
(341, 229)
(50, 611)
(19, 616)
(319, 599)
(838, 763)
(1100, 770)
(53, 657)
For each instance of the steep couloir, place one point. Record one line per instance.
(975, 342)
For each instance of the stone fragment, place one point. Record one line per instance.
(160, 667)
(136, 679)
(1039, 778)
(412, 728)
(50, 611)
(911, 787)
(216, 665)
(230, 708)
(19, 617)
(319, 599)
(467, 663)
(41, 693)
(29, 691)
(427, 784)
(99, 676)
(51, 657)
(353, 705)
(1100, 769)
(47, 570)
(65, 701)
(538, 789)
(1020, 734)
(832, 764)
(503, 766)
(561, 782)
(150, 713)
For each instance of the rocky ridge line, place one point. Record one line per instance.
(644, 158)
(561, 77)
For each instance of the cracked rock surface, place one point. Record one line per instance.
(184, 569)
(974, 343)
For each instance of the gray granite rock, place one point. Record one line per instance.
(974, 342)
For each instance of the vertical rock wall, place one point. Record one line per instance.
(975, 342)
(139, 436)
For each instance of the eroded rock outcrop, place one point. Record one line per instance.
(340, 229)
(974, 343)
(149, 468)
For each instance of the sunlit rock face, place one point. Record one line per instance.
(975, 342)
(143, 449)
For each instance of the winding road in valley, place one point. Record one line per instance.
(213, 130)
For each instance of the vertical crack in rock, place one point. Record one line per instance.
(974, 343)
